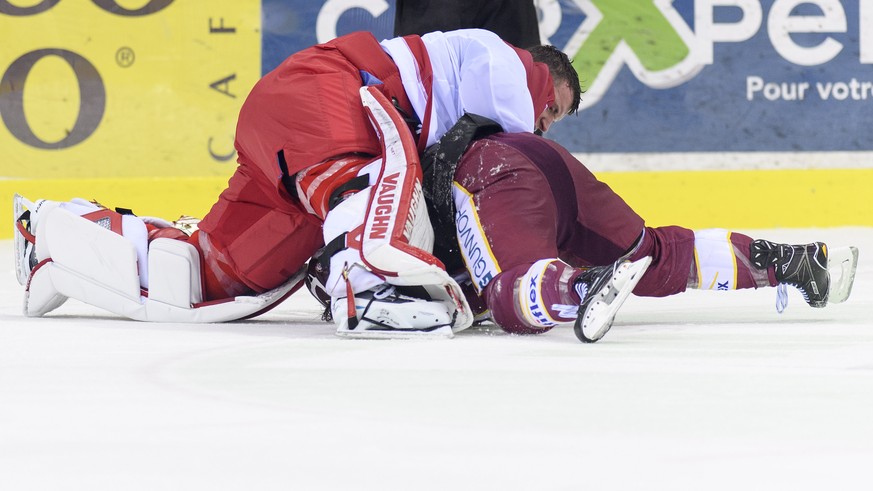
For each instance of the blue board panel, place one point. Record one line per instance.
(796, 77)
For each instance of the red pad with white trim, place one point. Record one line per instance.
(397, 237)
(397, 234)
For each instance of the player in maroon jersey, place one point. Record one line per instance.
(530, 219)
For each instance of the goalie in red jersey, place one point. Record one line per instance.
(305, 143)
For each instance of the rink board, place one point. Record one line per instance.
(696, 199)
(114, 111)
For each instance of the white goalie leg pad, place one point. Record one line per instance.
(842, 264)
(41, 296)
(344, 218)
(431, 314)
(78, 253)
(715, 259)
(176, 304)
(395, 238)
(132, 228)
(347, 219)
(91, 264)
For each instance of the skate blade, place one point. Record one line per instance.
(599, 315)
(844, 261)
(19, 243)
(444, 332)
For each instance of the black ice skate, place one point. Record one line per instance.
(804, 267)
(603, 290)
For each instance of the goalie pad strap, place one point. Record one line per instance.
(354, 185)
(325, 253)
(21, 229)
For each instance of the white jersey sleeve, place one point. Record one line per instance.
(473, 71)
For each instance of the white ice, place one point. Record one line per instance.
(700, 391)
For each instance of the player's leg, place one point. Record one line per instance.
(721, 260)
(712, 259)
(728, 260)
(507, 223)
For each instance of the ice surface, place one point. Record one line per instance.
(700, 391)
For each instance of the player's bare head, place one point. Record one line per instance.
(561, 69)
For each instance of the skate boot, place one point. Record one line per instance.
(603, 290)
(26, 215)
(804, 267)
(391, 312)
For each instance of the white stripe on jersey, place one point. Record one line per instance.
(473, 71)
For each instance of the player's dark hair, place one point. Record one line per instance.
(560, 68)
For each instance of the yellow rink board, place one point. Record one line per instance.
(694, 199)
(749, 198)
(133, 103)
(159, 196)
